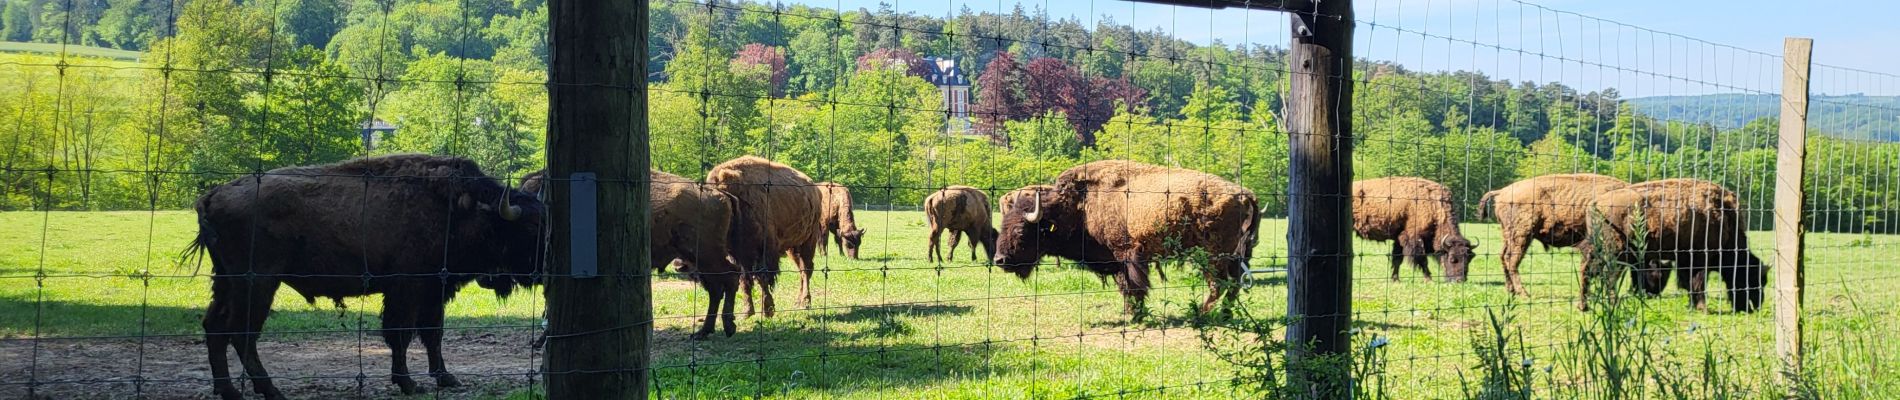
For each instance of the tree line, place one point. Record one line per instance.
(228, 87)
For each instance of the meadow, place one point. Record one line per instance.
(90, 300)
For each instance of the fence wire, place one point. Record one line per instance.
(130, 116)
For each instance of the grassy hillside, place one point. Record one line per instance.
(55, 48)
(1855, 117)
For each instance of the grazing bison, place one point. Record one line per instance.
(1694, 224)
(353, 229)
(1551, 209)
(698, 228)
(840, 224)
(788, 206)
(1416, 215)
(1114, 217)
(964, 211)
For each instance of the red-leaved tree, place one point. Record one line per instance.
(768, 58)
(999, 96)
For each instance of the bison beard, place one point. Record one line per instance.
(1694, 224)
(1117, 217)
(353, 229)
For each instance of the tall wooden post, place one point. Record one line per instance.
(1790, 170)
(1319, 243)
(599, 321)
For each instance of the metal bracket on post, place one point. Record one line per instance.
(582, 223)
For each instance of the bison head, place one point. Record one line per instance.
(1034, 218)
(850, 240)
(1745, 277)
(518, 222)
(1455, 255)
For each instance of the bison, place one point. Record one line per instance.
(964, 211)
(1416, 215)
(351, 229)
(789, 207)
(1114, 217)
(1551, 209)
(706, 233)
(840, 224)
(1695, 224)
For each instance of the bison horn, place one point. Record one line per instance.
(509, 212)
(1036, 212)
(464, 202)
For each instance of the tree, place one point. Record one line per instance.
(16, 21)
(310, 22)
(818, 58)
(1000, 96)
(766, 60)
(442, 112)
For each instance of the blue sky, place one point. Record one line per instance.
(1642, 48)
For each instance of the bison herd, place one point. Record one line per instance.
(418, 228)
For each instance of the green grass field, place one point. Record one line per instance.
(894, 326)
(77, 50)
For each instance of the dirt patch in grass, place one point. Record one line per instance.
(489, 363)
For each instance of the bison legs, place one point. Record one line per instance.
(1398, 258)
(1417, 251)
(1515, 245)
(400, 314)
(1223, 281)
(801, 255)
(1133, 282)
(430, 330)
(935, 253)
(717, 291)
(955, 236)
(235, 318)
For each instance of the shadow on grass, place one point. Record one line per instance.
(52, 318)
(829, 353)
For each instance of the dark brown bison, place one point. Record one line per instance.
(353, 229)
(1551, 209)
(840, 223)
(1694, 224)
(1115, 217)
(964, 211)
(1416, 215)
(788, 206)
(706, 233)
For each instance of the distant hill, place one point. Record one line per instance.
(1851, 116)
(55, 48)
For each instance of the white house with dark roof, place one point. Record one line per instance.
(955, 86)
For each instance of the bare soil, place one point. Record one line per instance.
(489, 363)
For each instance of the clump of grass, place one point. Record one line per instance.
(1505, 366)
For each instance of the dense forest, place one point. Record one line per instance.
(227, 87)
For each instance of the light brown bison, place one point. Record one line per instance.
(1694, 224)
(353, 229)
(788, 206)
(704, 232)
(1551, 209)
(1115, 217)
(1416, 215)
(840, 223)
(964, 211)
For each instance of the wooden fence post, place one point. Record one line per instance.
(1319, 219)
(599, 323)
(1790, 173)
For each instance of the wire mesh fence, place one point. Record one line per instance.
(921, 199)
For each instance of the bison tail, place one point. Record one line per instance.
(748, 243)
(200, 246)
(1484, 203)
